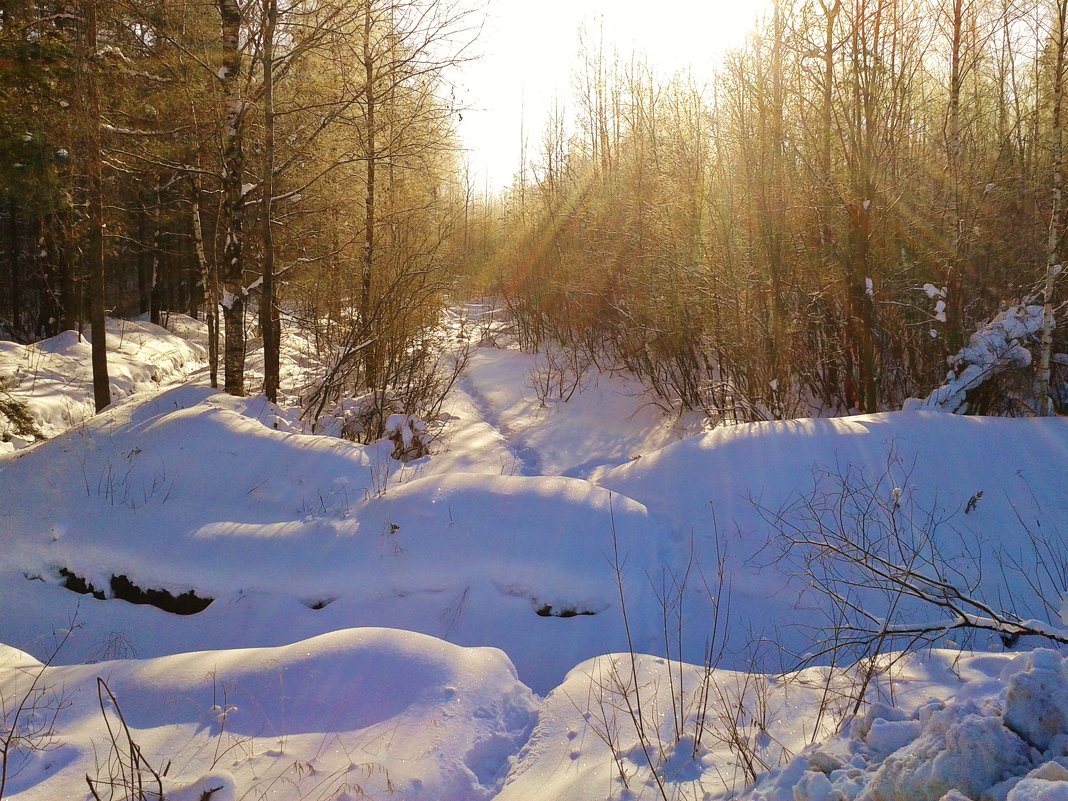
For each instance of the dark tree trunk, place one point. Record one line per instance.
(155, 287)
(70, 303)
(15, 275)
(95, 245)
(269, 317)
(144, 264)
(233, 274)
(954, 326)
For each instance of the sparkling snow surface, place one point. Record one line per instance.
(452, 628)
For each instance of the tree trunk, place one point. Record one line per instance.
(777, 217)
(15, 275)
(858, 266)
(144, 267)
(95, 186)
(826, 193)
(155, 293)
(69, 301)
(371, 360)
(1053, 245)
(269, 317)
(954, 326)
(210, 283)
(233, 300)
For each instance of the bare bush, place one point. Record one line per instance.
(28, 719)
(558, 374)
(894, 575)
(679, 712)
(417, 375)
(125, 774)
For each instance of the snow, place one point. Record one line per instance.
(431, 720)
(1036, 700)
(453, 627)
(933, 292)
(54, 376)
(963, 748)
(996, 346)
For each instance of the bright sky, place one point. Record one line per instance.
(529, 53)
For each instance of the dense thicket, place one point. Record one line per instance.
(863, 184)
(232, 157)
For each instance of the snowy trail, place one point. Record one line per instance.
(526, 461)
(607, 422)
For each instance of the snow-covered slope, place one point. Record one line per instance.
(385, 711)
(54, 378)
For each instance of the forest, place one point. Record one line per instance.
(820, 229)
(677, 467)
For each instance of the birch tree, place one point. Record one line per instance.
(1059, 41)
(232, 274)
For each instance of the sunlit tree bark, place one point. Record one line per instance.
(95, 195)
(232, 274)
(1059, 41)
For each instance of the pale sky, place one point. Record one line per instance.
(529, 53)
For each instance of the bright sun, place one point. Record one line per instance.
(529, 54)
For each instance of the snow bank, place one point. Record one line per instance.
(54, 378)
(191, 492)
(388, 712)
(1000, 737)
(738, 489)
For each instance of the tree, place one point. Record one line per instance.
(38, 49)
(1059, 37)
(269, 315)
(295, 42)
(232, 274)
(404, 144)
(95, 195)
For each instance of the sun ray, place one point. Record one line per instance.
(529, 51)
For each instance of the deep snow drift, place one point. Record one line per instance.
(363, 616)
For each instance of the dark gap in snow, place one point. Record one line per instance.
(79, 585)
(319, 603)
(188, 603)
(546, 610)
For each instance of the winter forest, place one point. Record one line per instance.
(718, 452)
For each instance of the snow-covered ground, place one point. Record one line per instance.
(54, 377)
(505, 617)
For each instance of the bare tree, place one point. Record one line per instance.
(269, 315)
(95, 195)
(1059, 40)
(232, 273)
(900, 575)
